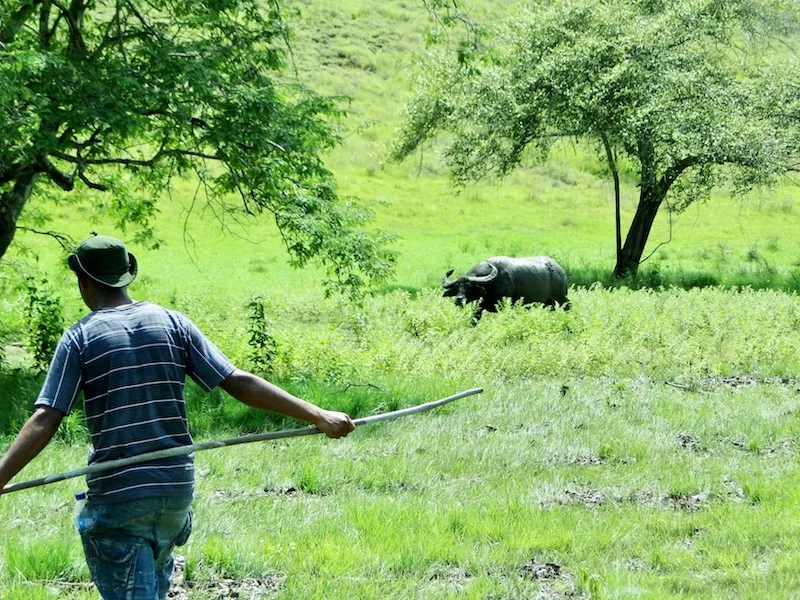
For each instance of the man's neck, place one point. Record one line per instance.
(113, 300)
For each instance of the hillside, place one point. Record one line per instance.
(367, 51)
(564, 207)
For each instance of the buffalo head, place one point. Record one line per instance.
(468, 288)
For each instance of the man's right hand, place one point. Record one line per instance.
(258, 393)
(334, 424)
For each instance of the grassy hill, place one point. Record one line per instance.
(367, 51)
(564, 207)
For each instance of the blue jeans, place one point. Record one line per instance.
(128, 545)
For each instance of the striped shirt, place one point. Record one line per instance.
(130, 362)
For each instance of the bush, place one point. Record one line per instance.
(45, 322)
(263, 346)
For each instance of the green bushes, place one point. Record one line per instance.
(19, 390)
(620, 332)
(45, 322)
(262, 345)
(396, 347)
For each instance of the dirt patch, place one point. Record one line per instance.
(541, 571)
(588, 461)
(587, 497)
(737, 382)
(634, 564)
(248, 588)
(178, 590)
(734, 382)
(781, 448)
(287, 491)
(450, 577)
(688, 502)
(734, 491)
(740, 381)
(593, 498)
(554, 581)
(689, 441)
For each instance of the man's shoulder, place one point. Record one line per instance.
(138, 314)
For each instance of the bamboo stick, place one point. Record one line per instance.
(211, 445)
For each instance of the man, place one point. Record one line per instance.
(130, 360)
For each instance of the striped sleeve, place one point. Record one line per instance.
(64, 376)
(205, 363)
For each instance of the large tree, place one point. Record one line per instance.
(112, 99)
(688, 91)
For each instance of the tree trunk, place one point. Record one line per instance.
(628, 261)
(612, 165)
(11, 204)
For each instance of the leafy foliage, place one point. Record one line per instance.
(263, 346)
(115, 99)
(688, 92)
(45, 320)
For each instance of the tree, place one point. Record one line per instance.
(688, 92)
(112, 99)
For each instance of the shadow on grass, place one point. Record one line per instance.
(19, 391)
(216, 414)
(758, 278)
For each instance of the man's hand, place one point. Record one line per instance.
(32, 438)
(334, 424)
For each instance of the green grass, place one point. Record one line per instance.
(464, 501)
(579, 453)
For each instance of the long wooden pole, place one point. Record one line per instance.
(246, 439)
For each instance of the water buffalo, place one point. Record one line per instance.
(534, 279)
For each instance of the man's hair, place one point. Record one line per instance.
(100, 286)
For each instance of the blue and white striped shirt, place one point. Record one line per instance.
(131, 362)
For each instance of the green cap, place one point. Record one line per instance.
(105, 260)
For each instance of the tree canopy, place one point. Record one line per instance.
(689, 92)
(112, 99)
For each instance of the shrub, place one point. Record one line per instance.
(263, 346)
(45, 322)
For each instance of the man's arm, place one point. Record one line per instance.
(31, 439)
(258, 393)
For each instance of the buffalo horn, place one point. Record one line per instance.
(445, 283)
(485, 278)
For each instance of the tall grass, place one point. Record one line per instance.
(397, 349)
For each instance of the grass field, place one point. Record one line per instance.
(633, 488)
(642, 445)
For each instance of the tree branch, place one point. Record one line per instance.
(74, 17)
(134, 162)
(52, 31)
(44, 25)
(90, 184)
(114, 34)
(127, 162)
(62, 180)
(147, 26)
(612, 165)
(67, 243)
(672, 173)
